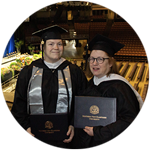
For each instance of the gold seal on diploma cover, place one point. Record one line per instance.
(94, 109)
(48, 125)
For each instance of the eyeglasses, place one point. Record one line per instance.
(99, 60)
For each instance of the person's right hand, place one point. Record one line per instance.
(29, 131)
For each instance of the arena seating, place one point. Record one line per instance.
(144, 91)
(91, 28)
(121, 32)
(96, 27)
(82, 28)
(137, 73)
(64, 25)
(124, 33)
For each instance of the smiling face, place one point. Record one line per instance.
(100, 70)
(53, 50)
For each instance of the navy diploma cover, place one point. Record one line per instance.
(53, 126)
(94, 111)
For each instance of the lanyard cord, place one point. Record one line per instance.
(67, 94)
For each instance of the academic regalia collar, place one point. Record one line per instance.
(113, 76)
(97, 80)
(40, 63)
(54, 65)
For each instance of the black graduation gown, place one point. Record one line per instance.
(127, 110)
(49, 90)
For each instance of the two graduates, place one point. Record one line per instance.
(50, 84)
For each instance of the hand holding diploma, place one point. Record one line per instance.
(71, 133)
(89, 131)
(29, 131)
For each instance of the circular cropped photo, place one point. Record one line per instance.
(74, 74)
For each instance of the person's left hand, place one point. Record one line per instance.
(89, 131)
(71, 133)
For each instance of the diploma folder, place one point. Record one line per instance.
(94, 111)
(49, 127)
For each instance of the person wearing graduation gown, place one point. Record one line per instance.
(106, 82)
(48, 84)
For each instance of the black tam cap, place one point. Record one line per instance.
(52, 32)
(100, 42)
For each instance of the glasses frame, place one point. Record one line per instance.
(93, 60)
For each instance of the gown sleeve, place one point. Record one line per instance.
(79, 84)
(127, 110)
(82, 84)
(19, 109)
(79, 80)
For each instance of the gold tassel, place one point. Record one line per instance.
(42, 42)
